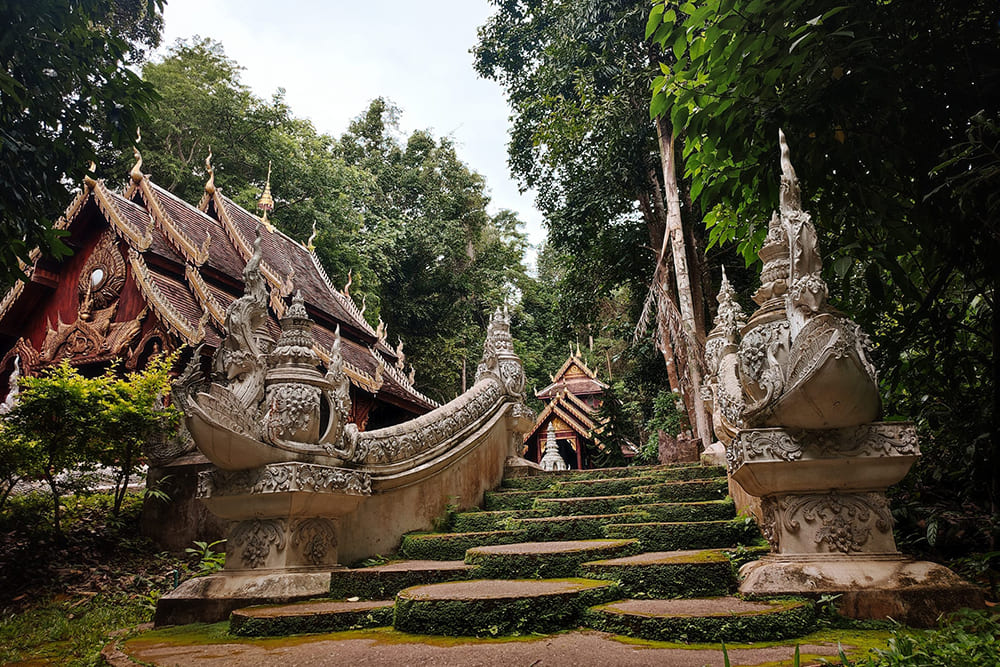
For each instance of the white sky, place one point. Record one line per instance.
(334, 57)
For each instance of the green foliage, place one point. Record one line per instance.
(902, 187)
(667, 418)
(63, 420)
(206, 560)
(618, 430)
(965, 639)
(15, 460)
(66, 92)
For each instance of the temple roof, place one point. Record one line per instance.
(572, 411)
(187, 262)
(575, 377)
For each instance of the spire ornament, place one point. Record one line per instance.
(312, 237)
(266, 202)
(210, 183)
(136, 173)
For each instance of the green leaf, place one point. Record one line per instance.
(657, 105)
(654, 20)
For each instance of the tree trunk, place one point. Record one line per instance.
(675, 231)
(56, 524)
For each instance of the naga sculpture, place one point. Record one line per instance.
(304, 488)
(795, 398)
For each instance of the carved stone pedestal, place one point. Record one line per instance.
(282, 545)
(826, 517)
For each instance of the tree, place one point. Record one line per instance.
(57, 416)
(576, 75)
(880, 101)
(66, 91)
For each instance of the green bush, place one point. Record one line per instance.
(964, 639)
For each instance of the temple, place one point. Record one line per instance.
(151, 273)
(571, 403)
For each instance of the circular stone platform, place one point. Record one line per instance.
(705, 619)
(484, 607)
(544, 559)
(313, 616)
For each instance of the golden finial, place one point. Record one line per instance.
(309, 244)
(136, 173)
(350, 279)
(210, 183)
(89, 179)
(266, 202)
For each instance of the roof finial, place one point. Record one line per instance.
(136, 173)
(89, 179)
(266, 202)
(309, 244)
(791, 196)
(210, 184)
(350, 279)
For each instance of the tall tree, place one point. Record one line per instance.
(888, 106)
(576, 75)
(66, 90)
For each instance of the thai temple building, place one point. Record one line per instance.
(571, 405)
(151, 273)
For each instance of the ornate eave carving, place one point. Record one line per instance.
(162, 306)
(204, 295)
(191, 251)
(105, 202)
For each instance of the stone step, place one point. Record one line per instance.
(715, 488)
(658, 536)
(382, 582)
(486, 607)
(587, 488)
(670, 471)
(590, 506)
(705, 510)
(717, 619)
(668, 574)
(582, 527)
(510, 500)
(452, 546)
(544, 559)
(311, 616)
(472, 522)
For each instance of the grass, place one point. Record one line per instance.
(62, 600)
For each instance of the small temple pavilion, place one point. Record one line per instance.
(571, 403)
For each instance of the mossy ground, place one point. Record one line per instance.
(705, 510)
(369, 584)
(683, 536)
(251, 626)
(542, 565)
(698, 574)
(452, 546)
(550, 529)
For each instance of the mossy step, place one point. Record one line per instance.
(726, 619)
(668, 574)
(498, 607)
(670, 471)
(660, 536)
(587, 488)
(510, 500)
(452, 546)
(473, 522)
(311, 616)
(715, 488)
(544, 559)
(590, 506)
(704, 510)
(581, 527)
(382, 582)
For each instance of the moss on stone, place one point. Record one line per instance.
(536, 483)
(509, 500)
(452, 546)
(684, 473)
(693, 574)
(379, 584)
(545, 565)
(694, 490)
(598, 487)
(789, 618)
(586, 527)
(494, 617)
(588, 506)
(474, 522)
(247, 625)
(705, 510)
(685, 536)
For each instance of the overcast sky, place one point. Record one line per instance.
(333, 57)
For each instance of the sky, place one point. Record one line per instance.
(334, 57)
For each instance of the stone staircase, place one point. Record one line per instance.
(648, 552)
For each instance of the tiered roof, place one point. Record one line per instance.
(574, 377)
(187, 262)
